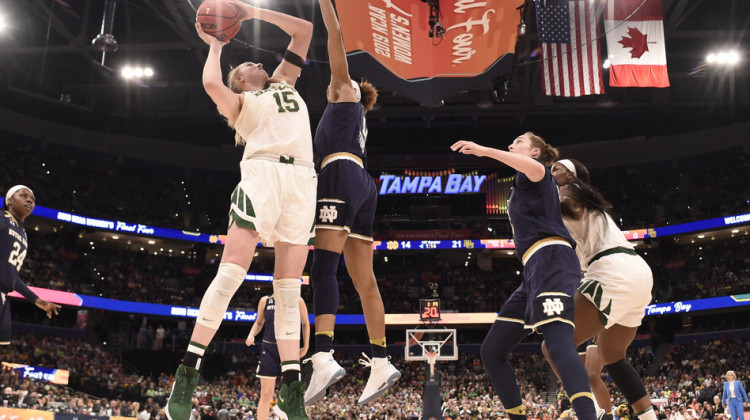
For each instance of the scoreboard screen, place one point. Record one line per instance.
(429, 310)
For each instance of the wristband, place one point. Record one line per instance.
(293, 58)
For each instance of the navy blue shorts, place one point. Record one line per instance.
(347, 198)
(4, 320)
(551, 277)
(269, 363)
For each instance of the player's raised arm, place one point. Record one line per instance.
(341, 88)
(299, 29)
(530, 167)
(227, 102)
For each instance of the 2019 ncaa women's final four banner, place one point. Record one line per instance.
(428, 50)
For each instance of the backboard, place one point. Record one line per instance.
(420, 341)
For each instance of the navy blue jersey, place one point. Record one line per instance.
(268, 332)
(341, 129)
(13, 245)
(534, 211)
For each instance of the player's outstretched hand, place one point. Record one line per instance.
(250, 340)
(468, 148)
(208, 39)
(48, 307)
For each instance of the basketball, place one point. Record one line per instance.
(219, 19)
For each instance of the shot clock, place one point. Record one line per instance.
(429, 310)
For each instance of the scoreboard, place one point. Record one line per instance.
(630, 235)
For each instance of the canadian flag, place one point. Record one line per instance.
(635, 40)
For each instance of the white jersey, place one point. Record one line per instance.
(595, 232)
(275, 121)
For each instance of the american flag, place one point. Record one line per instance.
(569, 33)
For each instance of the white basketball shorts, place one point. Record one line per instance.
(276, 199)
(620, 286)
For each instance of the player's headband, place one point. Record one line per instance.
(13, 190)
(568, 165)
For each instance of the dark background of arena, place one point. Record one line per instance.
(116, 360)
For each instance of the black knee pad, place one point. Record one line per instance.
(627, 379)
(500, 340)
(324, 282)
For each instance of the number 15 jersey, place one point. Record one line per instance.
(275, 121)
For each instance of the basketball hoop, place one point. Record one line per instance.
(428, 344)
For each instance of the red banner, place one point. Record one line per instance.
(395, 34)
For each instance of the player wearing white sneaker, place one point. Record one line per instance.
(382, 376)
(347, 198)
(326, 372)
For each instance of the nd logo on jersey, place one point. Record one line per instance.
(553, 306)
(328, 214)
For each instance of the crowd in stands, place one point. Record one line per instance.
(72, 179)
(688, 377)
(643, 195)
(681, 272)
(703, 270)
(668, 193)
(76, 180)
(93, 370)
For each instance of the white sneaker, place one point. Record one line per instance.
(326, 372)
(382, 377)
(276, 410)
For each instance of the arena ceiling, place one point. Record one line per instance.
(49, 68)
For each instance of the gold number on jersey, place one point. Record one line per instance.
(16, 256)
(289, 104)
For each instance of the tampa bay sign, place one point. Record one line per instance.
(451, 184)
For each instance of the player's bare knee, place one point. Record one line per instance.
(609, 356)
(266, 393)
(367, 287)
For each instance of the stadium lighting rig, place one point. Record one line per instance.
(128, 72)
(726, 58)
(436, 27)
